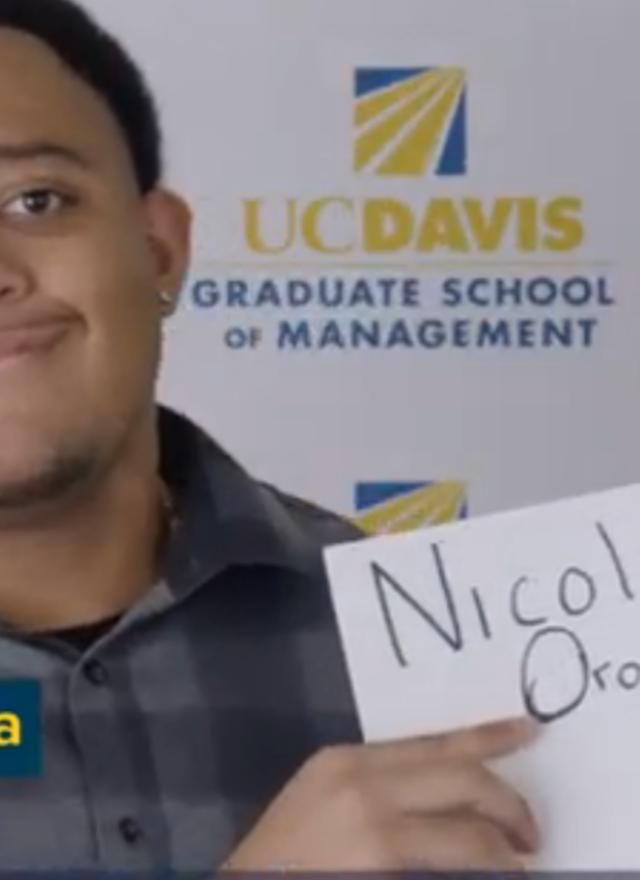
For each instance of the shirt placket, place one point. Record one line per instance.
(97, 717)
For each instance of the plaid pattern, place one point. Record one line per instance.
(170, 735)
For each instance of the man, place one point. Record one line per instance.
(197, 710)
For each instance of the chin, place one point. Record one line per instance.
(32, 476)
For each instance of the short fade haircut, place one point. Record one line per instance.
(97, 58)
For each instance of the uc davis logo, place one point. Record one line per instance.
(20, 729)
(410, 120)
(387, 508)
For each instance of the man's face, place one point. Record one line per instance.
(82, 260)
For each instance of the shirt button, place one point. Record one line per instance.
(130, 830)
(96, 673)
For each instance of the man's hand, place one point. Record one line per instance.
(421, 803)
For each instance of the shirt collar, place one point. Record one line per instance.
(223, 516)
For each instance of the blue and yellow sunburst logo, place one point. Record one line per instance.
(410, 120)
(389, 508)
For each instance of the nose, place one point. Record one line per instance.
(15, 279)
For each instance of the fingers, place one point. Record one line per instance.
(453, 844)
(481, 743)
(452, 786)
(444, 773)
(435, 794)
(486, 741)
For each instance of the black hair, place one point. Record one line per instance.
(99, 59)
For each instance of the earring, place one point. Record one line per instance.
(166, 299)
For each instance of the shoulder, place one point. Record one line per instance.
(320, 525)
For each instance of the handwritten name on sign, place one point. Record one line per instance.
(534, 611)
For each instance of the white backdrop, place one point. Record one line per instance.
(258, 99)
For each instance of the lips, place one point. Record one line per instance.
(33, 338)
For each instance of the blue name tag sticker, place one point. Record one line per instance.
(20, 729)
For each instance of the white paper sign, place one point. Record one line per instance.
(536, 610)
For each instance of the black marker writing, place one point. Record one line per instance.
(516, 611)
(540, 652)
(466, 614)
(617, 562)
(383, 581)
(629, 675)
(598, 674)
(576, 575)
(482, 614)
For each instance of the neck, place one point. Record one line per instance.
(92, 557)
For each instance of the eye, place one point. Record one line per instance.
(36, 203)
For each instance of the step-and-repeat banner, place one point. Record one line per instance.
(414, 293)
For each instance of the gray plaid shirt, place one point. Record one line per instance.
(169, 736)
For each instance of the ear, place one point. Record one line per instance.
(169, 221)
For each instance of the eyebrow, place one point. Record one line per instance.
(31, 151)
